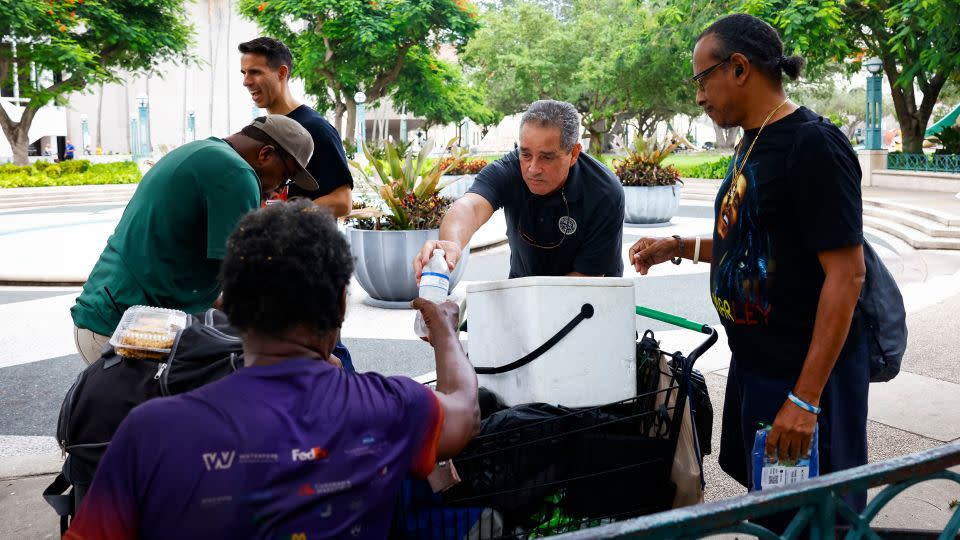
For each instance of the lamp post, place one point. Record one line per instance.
(143, 106)
(360, 98)
(134, 136)
(255, 111)
(874, 117)
(84, 132)
(191, 126)
(403, 127)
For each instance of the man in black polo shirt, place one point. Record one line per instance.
(266, 64)
(564, 209)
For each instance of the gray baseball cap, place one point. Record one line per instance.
(294, 140)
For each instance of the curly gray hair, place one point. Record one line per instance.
(559, 114)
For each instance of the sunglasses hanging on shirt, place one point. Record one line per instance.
(566, 224)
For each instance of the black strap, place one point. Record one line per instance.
(586, 311)
(57, 496)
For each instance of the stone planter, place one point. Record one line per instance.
(383, 263)
(458, 185)
(649, 205)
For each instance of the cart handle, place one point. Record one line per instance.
(687, 324)
(673, 319)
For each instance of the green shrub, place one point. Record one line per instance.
(10, 168)
(125, 172)
(714, 170)
(41, 164)
(75, 166)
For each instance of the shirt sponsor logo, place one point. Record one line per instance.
(311, 454)
(258, 457)
(367, 449)
(216, 500)
(298, 536)
(324, 488)
(218, 460)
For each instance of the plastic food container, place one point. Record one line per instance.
(147, 332)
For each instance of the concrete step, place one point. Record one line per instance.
(910, 235)
(928, 227)
(939, 216)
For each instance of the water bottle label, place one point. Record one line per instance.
(777, 476)
(434, 279)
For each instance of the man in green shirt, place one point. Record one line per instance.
(167, 248)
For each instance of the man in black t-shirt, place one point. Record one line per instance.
(266, 64)
(786, 259)
(564, 209)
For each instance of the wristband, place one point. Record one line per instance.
(676, 260)
(803, 404)
(696, 251)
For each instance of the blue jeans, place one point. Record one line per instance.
(341, 352)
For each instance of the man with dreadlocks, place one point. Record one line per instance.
(786, 258)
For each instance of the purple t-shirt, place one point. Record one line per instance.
(299, 449)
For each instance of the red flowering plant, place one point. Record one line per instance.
(408, 186)
(473, 166)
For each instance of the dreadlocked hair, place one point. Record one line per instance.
(286, 266)
(758, 41)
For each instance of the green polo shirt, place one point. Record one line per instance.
(167, 248)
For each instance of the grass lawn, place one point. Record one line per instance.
(690, 159)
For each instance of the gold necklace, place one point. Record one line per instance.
(743, 163)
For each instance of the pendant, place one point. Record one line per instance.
(568, 225)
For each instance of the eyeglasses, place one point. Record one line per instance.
(563, 236)
(287, 177)
(697, 80)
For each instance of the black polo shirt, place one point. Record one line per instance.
(538, 247)
(328, 164)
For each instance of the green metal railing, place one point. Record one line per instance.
(818, 504)
(945, 163)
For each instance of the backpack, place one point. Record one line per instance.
(884, 318)
(107, 390)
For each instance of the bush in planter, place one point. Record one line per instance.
(41, 164)
(409, 187)
(386, 235)
(643, 168)
(650, 191)
(53, 171)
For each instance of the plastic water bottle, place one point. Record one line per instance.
(434, 286)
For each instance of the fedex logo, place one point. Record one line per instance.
(218, 460)
(311, 454)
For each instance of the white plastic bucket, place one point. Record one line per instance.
(594, 364)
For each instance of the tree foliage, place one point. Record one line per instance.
(618, 61)
(918, 42)
(341, 47)
(436, 91)
(71, 44)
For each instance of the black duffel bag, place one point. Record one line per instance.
(106, 391)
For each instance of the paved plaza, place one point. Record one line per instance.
(58, 244)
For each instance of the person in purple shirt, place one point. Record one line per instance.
(291, 446)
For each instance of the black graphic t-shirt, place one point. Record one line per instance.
(798, 195)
